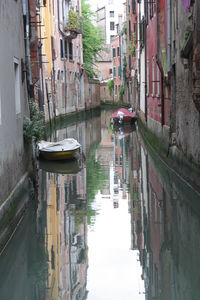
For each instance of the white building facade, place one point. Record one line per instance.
(13, 98)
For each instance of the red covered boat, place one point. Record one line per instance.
(124, 115)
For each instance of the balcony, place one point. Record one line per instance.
(73, 26)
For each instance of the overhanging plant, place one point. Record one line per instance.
(33, 127)
(74, 22)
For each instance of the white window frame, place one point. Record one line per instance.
(158, 81)
(112, 13)
(153, 77)
(16, 66)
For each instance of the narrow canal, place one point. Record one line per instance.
(115, 225)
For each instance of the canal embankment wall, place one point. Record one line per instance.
(173, 157)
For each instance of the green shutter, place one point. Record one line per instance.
(114, 71)
(113, 52)
(71, 51)
(119, 71)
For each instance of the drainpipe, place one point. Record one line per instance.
(162, 100)
(27, 35)
(145, 62)
(168, 36)
(64, 62)
(139, 78)
(41, 78)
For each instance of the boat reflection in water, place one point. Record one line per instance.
(72, 166)
(123, 130)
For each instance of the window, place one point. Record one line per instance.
(61, 49)
(58, 75)
(17, 86)
(53, 48)
(114, 72)
(142, 32)
(114, 52)
(153, 77)
(116, 90)
(70, 50)
(133, 7)
(151, 9)
(112, 14)
(158, 81)
(112, 25)
(118, 52)
(129, 29)
(129, 62)
(77, 53)
(110, 71)
(119, 71)
(111, 37)
(61, 75)
(66, 55)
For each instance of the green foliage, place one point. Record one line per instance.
(124, 29)
(186, 37)
(121, 92)
(93, 40)
(124, 68)
(186, 34)
(111, 87)
(132, 46)
(33, 127)
(74, 21)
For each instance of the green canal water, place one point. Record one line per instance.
(113, 225)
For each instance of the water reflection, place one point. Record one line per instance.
(116, 224)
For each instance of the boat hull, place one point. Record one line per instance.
(62, 150)
(123, 116)
(125, 120)
(59, 155)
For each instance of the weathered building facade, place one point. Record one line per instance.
(13, 98)
(158, 70)
(116, 61)
(132, 41)
(185, 44)
(166, 71)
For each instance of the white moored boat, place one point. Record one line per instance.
(65, 149)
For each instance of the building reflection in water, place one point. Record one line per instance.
(52, 262)
(164, 213)
(62, 217)
(165, 225)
